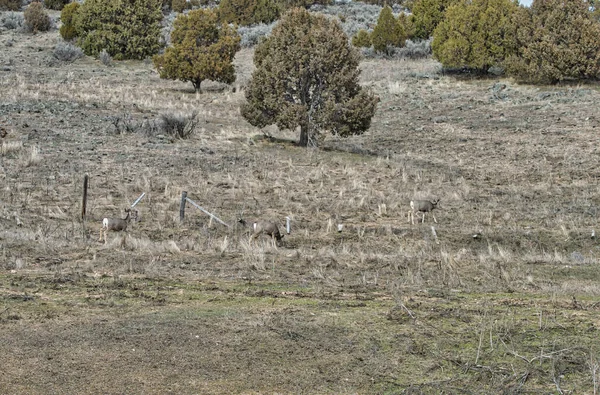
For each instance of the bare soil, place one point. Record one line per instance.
(501, 295)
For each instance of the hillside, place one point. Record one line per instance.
(504, 297)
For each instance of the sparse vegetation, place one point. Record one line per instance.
(10, 5)
(179, 125)
(36, 18)
(67, 52)
(251, 35)
(105, 58)
(355, 15)
(12, 20)
(287, 87)
(202, 48)
(414, 49)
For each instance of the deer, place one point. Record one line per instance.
(422, 206)
(264, 227)
(117, 224)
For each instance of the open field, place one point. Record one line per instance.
(505, 299)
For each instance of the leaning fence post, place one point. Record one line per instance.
(211, 215)
(138, 199)
(182, 206)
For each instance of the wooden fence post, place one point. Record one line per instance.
(182, 206)
(84, 203)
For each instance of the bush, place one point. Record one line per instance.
(251, 35)
(476, 35)
(362, 39)
(179, 126)
(36, 18)
(248, 12)
(55, 4)
(10, 5)
(388, 32)
(356, 16)
(288, 4)
(105, 58)
(415, 49)
(179, 5)
(126, 29)
(12, 20)
(67, 52)
(67, 17)
(557, 40)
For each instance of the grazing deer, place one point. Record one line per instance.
(422, 206)
(117, 224)
(264, 227)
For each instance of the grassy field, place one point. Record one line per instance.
(502, 298)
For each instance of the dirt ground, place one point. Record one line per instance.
(499, 296)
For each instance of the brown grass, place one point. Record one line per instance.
(194, 307)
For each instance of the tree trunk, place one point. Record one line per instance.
(303, 136)
(197, 85)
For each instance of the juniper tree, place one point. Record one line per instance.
(388, 32)
(427, 14)
(307, 75)
(202, 49)
(557, 40)
(126, 29)
(477, 35)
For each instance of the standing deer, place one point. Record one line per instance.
(264, 227)
(117, 224)
(422, 206)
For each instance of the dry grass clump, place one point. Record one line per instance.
(10, 148)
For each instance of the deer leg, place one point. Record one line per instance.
(434, 220)
(423, 220)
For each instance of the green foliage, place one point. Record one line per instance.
(558, 40)
(202, 48)
(406, 25)
(248, 12)
(55, 4)
(36, 18)
(595, 8)
(10, 5)
(289, 4)
(427, 15)
(179, 5)
(307, 75)
(476, 35)
(126, 29)
(67, 17)
(388, 32)
(362, 39)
